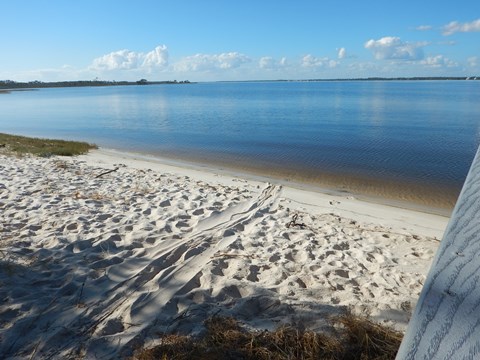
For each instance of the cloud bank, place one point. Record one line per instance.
(310, 61)
(209, 62)
(269, 63)
(130, 60)
(406, 58)
(455, 27)
(438, 61)
(424, 28)
(393, 48)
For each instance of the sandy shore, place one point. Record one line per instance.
(95, 264)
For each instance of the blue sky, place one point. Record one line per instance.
(209, 40)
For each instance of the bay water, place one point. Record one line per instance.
(410, 140)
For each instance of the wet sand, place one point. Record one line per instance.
(427, 197)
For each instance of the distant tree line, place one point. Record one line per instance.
(415, 78)
(9, 84)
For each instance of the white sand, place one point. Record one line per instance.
(96, 266)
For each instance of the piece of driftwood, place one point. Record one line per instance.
(294, 223)
(106, 172)
(446, 320)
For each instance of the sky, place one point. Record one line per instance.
(214, 40)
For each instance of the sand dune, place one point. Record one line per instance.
(96, 265)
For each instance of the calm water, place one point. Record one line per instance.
(412, 132)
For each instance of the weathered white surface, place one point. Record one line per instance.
(446, 321)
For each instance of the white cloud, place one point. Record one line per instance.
(207, 62)
(332, 63)
(269, 63)
(455, 27)
(393, 48)
(266, 62)
(157, 57)
(424, 27)
(473, 61)
(364, 68)
(310, 61)
(447, 43)
(122, 59)
(129, 60)
(438, 61)
(342, 53)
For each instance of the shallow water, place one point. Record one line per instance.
(417, 136)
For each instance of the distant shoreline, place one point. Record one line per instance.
(6, 85)
(415, 78)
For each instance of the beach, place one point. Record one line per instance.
(102, 253)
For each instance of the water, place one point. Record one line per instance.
(421, 135)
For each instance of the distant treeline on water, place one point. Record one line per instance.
(415, 78)
(9, 84)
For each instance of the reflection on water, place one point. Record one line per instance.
(134, 113)
(412, 132)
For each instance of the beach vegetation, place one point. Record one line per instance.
(22, 145)
(351, 337)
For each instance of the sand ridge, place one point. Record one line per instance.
(96, 265)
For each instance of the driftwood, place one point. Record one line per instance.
(294, 222)
(106, 172)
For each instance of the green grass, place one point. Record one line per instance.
(351, 338)
(21, 145)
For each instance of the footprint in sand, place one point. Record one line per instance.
(102, 264)
(253, 275)
(341, 246)
(150, 240)
(165, 203)
(274, 258)
(231, 291)
(218, 267)
(198, 212)
(301, 283)
(72, 226)
(182, 224)
(342, 273)
(112, 326)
